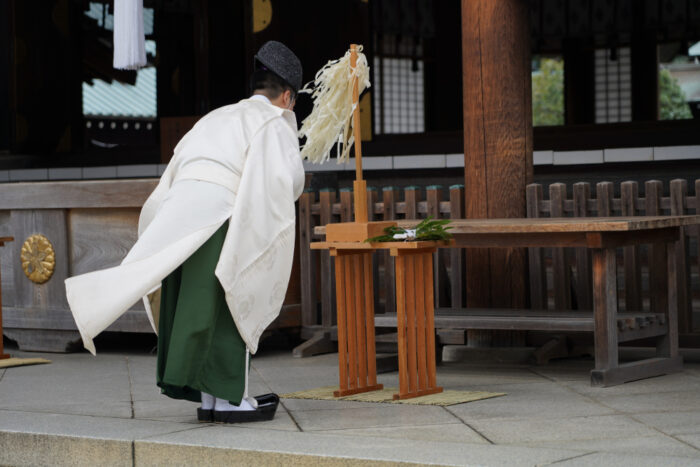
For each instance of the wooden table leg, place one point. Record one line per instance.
(415, 323)
(355, 304)
(605, 314)
(667, 346)
(608, 371)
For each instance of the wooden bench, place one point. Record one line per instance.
(601, 236)
(559, 277)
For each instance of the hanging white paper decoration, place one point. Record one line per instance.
(330, 121)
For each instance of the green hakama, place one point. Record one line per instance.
(199, 347)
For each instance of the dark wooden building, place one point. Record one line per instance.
(202, 54)
(457, 85)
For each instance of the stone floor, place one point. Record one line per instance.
(106, 410)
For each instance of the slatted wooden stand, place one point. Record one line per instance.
(357, 360)
(3, 355)
(415, 316)
(415, 320)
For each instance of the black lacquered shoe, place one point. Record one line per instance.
(267, 406)
(205, 415)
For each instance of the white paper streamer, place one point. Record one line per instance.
(129, 39)
(330, 121)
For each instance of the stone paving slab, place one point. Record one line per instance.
(449, 433)
(73, 384)
(567, 428)
(671, 401)
(692, 439)
(532, 400)
(677, 382)
(598, 459)
(235, 446)
(672, 423)
(60, 439)
(81, 408)
(655, 445)
(370, 417)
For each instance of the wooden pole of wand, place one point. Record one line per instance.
(359, 230)
(359, 185)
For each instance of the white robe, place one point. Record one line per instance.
(239, 163)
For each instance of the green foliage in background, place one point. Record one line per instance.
(548, 93)
(672, 101)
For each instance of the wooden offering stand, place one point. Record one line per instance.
(3, 355)
(414, 311)
(353, 275)
(355, 294)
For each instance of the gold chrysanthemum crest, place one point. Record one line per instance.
(38, 258)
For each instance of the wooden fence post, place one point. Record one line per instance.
(308, 276)
(411, 202)
(538, 273)
(346, 211)
(371, 203)
(657, 253)
(327, 198)
(372, 197)
(604, 196)
(629, 193)
(697, 237)
(433, 197)
(456, 254)
(679, 192)
(584, 287)
(390, 196)
(560, 265)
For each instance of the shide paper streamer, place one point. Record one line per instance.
(330, 121)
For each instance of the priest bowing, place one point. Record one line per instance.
(216, 236)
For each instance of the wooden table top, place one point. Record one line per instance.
(557, 224)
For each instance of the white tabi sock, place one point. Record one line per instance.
(224, 405)
(207, 401)
(247, 403)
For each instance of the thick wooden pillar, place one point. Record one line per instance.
(497, 139)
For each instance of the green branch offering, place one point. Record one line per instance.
(427, 230)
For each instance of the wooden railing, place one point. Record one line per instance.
(559, 278)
